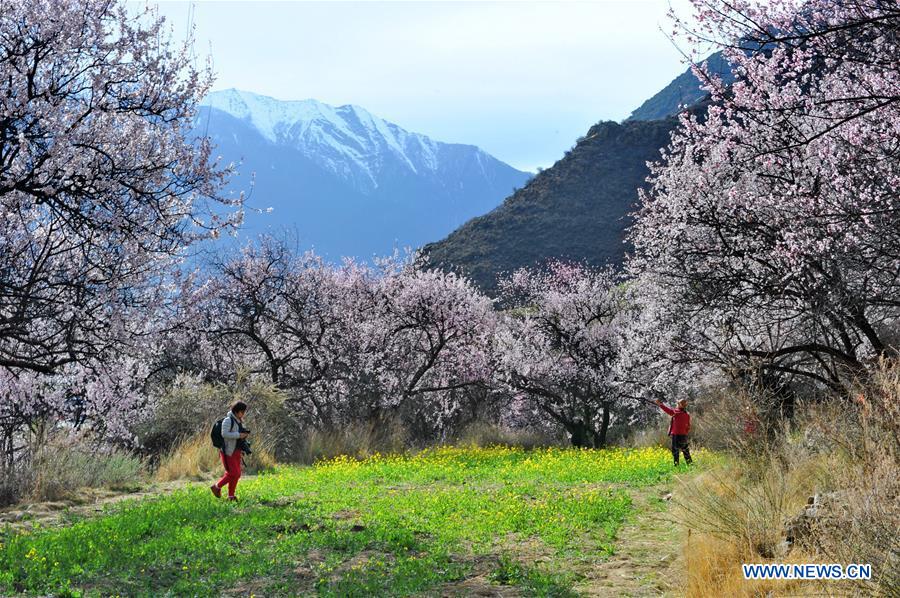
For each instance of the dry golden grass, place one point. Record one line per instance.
(746, 503)
(713, 569)
(845, 449)
(736, 515)
(61, 466)
(195, 458)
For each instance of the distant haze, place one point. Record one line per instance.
(522, 80)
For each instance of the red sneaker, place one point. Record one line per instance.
(216, 491)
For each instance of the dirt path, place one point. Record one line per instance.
(648, 548)
(85, 502)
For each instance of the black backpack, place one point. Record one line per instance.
(215, 435)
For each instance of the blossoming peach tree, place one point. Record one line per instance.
(102, 190)
(558, 343)
(769, 238)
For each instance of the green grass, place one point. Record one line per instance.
(395, 525)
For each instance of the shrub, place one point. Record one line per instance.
(885, 404)
(484, 434)
(14, 483)
(746, 503)
(864, 529)
(739, 420)
(863, 526)
(196, 458)
(649, 437)
(63, 465)
(358, 439)
(189, 407)
(60, 468)
(844, 451)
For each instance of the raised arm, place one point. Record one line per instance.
(664, 408)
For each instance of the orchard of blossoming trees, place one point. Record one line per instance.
(348, 342)
(766, 249)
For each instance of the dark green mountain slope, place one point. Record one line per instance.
(684, 90)
(576, 210)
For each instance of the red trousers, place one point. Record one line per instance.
(232, 464)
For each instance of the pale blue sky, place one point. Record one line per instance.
(522, 80)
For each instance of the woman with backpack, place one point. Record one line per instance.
(679, 428)
(232, 432)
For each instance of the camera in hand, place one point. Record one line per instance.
(242, 443)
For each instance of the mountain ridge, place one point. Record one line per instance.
(682, 92)
(576, 210)
(331, 170)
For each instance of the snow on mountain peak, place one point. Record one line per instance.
(347, 140)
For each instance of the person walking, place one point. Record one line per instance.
(230, 451)
(679, 428)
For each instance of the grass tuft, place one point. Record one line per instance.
(196, 459)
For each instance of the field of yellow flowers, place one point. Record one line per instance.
(422, 523)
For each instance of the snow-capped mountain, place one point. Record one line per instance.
(349, 182)
(346, 140)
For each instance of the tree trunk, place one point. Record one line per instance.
(9, 452)
(579, 433)
(600, 435)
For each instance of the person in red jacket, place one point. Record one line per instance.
(679, 428)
